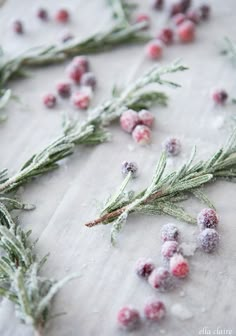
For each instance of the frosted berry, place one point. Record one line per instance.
(186, 31)
(49, 100)
(207, 218)
(82, 62)
(155, 311)
(18, 27)
(88, 79)
(204, 12)
(42, 14)
(128, 120)
(146, 118)
(128, 318)
(208, 240)
(179, 18)
(154, 50)
(169, 248)
(142, 135)
(144, 267)
(64, 90)
(185, 4)
(128, 167)
(169, 232)
(161, 279)
(179, 266)
(172, 146)
(75, 72)
(62, 16)
(166, 36)
(175, 9)
(193, 15)
(220, 96)
(157, 4)
(143, 18)
(67, 37)
(81, 100)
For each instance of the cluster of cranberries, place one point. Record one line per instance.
(208, 239)
(78, 73)
(138, 124)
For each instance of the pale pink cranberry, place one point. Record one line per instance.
(169, 248)
(75, 72)
(161, 279)
(42, 14)
(18, 27)
(144, 267)
(82, 62)
(81, 100)
(219, 96)
(49, 100)
(186, 31)
(128, 318)
(88, 79)
(157, 4)
(143, 18)
(166, 36)
(204, 12)
(155, 311)
(207, 218)
(172, 146)
(64, 90)
(179, 266)
(128, 120)
(146, 118)
(62, 16)
(142, 134)
(179, 18)
(169, 232)
(193, 15)
(154, 49)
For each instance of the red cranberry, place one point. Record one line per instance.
(179, 18)
(154, 50)
(142, 134)
(75, 72)
(81, 100)
(155, 311)
(144, 267)
(204, 12)
(166, 36)
(143, 18)
(146, 118)
(64, 90)
(62, 16)
(220, 96)
(88, 79)
(169, 248)
(18, 27)
(129, 167)
(42, 14)
(193, 15)
(161, 279)
(169, 232)
(179, 266)
(81, 61)
(49, 100)
(128, 120)
(128, 318)
(208, 240)
(207, 218)
(186, 31)
(157, 4)
(172, 146)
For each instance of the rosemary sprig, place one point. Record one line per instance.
(229, 49)
(121, 10)
(166, 190)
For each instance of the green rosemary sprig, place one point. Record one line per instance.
(229, 49)
(121, 10)
(166, 190)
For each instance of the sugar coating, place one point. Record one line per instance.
(146, 118)
(81, 61)
(144, 267)
(81, 100)
(172, 146)
(207, 218)
(49, 100)
(74, 72)
(161, 279)
(155, 311)
(88, 79)
(128, 318)
(169, 232)
(128, 120)
(181, 312)
(209, 240)
(142, 135)
(179, 266)
(169, 248)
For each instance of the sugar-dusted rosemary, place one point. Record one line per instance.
(122, 9)
(166, 190)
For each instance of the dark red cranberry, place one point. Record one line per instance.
(166, 35)
(204, 12)
(18, 27)
(42, 14)
(157, 4)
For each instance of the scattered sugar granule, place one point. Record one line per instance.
(188, 249)
(182, 312)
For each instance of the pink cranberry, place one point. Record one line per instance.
(88, 79)
(179, 266)
(144, 267)
(75, 72)
(62, 16)
(220, 96)
(161, 279)
(18, 27)
(186, 31)
(172, 146)
(143, 18)
(157, 4)
(204, 12)
(49, 100)
(166, 36)
(81, 100)
(64, 90)
(207, 218)
(193, 15)
(155, 311)
(179, 18)
(82, 62)
(128, 318)
(169, 248)
(142, 134)
(42, 14)
(154, 50)
(169, 232)
(208, 240)
(128, 120)
(146, 118)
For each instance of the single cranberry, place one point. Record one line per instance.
(81, 61)
(129, 167)
(42, 14)
(64, 90)
(144, 267)
(49, 100)
(62, 16)
(179, 18)
(161, 279)
(172, 146)
(186, 31)
(207, 218)
(146, 118)
(179, 266)
(88, 79)
(166, 36)
(175, 9)
(193, 15)
(208, 240)
(154, 49)
(75, 72)
(18, 27)
(220, 96)
(204, 12)
(143, 18)
(128, 318)
(169, 248)
(169, 232)
(185, 4)
(81, 100)
(155, 311)
(157, 4)
(128, 120)
(142, 134)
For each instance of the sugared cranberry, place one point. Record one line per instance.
(143, 18)
(75, 72)
(169, 232)
(81, 61)
(67, 37)
(128, 318)
(81, 100)
(179, 18)
(208, 240)
(128, 120)
(154, 49)
(18, 27)
(129, 167)
(166, 36)
(204, 12)
(42, 14)
(88, 79)
(172, 146)
(175, 9)
(146, 118)
(62, 16)
(185, 4)
(186, 31)
(155, 311)
(193, 15)
(207, 218)
(157, 4)
(64, 90)
(169, 248)
(49, 100)
(179, 266)
(144, 267)
(142, 134)
(220, 96)
(161, 279)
